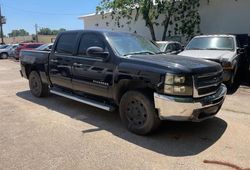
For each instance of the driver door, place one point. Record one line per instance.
(92, 75)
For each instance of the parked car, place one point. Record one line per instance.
(98, 69)
(170, 47)
(45, 47)
(25, 46)
(224, 49)
(6, 51)
(12, 50)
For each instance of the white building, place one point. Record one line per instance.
(217, 16)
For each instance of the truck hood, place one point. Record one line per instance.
(180, 64)
(208, 54)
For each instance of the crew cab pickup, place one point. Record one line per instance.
(224, 49)
(110, 70)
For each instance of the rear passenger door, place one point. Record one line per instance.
(92, 75)
(60, 61)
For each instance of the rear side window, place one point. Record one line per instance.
(66, 43)
(90, 40)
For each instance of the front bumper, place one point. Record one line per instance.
(189, 109)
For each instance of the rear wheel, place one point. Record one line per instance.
(137, 113)
(37, 87)
(4, 55)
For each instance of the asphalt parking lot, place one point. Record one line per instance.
(57, 133)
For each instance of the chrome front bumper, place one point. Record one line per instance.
(189, 109)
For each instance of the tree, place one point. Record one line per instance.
(183, 15)
(48, 31)
(20, 32)
(45, 31)
(55, 32)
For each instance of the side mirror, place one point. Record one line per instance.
(240, 50)
(98, 52)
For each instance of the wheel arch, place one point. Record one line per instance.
(29, 68)
(4, 53)
(136, 85)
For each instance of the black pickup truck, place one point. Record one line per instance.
(110, 70)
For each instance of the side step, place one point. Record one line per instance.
(84, 100)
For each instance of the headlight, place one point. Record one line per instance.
(178, 85)
(226, 64)
(172, 79)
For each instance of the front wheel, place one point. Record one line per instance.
(37, 87)
(4, 55)
(137, 113)
(234, 82)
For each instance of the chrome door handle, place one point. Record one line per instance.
(54, 61)
(77, 65)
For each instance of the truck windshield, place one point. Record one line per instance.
(131, 44)
(211, 43)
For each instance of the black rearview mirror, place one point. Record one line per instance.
(240, 50)
(98, 52)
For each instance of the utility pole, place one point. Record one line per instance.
(36, 27)
(3, 21)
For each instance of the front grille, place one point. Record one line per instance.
(207, 84)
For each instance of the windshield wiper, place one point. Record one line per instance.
(217, 49)
(161, 53)
(140, 52)
(195, 49)
(212, 49)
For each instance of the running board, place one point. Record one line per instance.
(84, 100)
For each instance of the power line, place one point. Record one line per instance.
(39, 12)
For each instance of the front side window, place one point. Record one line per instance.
(66, 43)
(211, 43)
(90, 40)
(170, 47)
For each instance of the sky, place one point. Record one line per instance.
(54, 14)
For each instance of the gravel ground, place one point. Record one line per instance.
(57, 133)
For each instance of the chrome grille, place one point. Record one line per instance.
(207, 84)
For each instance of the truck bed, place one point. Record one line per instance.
(32, 57)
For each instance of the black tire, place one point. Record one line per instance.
(4, 56)
(138, 113)
(37, 88)
(234, 83)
